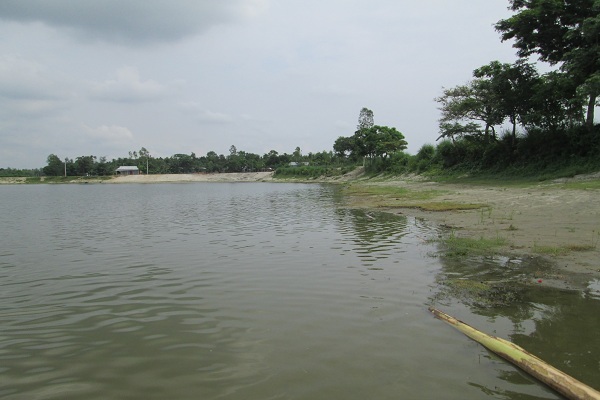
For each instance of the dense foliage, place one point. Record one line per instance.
(550, 116)
(560, 32)
(373, 144)
(311, 172)
(555, 110)
(12, 172)
(236, 161)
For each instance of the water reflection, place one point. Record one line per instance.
(593, 289)
(375, 235)
(187, 291)
(504, 297)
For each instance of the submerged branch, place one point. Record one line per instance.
(556, 379)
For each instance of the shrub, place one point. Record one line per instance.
(311, 172)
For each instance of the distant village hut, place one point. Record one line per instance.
(127, 170)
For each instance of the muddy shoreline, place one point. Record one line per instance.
(550, 221)
(225, 177)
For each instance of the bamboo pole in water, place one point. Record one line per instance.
(556, 379)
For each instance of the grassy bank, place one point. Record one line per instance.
(392, 196)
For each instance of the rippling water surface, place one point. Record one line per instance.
(233, 291)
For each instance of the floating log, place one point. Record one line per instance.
(564, 384)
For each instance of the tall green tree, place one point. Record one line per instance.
(511, 87)
(103, 168)
(345, 147)
(253, 162)
(271, 159)
(55, 166)
(365, 119)
(234, 161)
(84, 165)
(353, 147)
(144, 160)
(297, 154)
(369, 140)
(556, 103)
(456, 129)
(181, 164)
(377, 141)
(464, 107)
(385, 141)
(321, 158)
(560, 32)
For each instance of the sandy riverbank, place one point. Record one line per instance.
(163, 178)
(549, 220)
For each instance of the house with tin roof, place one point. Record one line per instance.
(127, 170)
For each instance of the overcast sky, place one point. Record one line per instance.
(103, 78)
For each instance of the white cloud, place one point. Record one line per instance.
(254, 118)
(127, 86)
(29, 91)
(253, 8)
(200, 113)
(109, 134)
(22, 79)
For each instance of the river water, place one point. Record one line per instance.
(252, 291)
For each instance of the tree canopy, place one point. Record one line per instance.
(510, 87)
(370, 140)
(365, 119)
(561, 32)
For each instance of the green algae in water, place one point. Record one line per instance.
(483, 294)
(529, 302)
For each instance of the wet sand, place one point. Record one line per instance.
(548, 220)
(163, 178)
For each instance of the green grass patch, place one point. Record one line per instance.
(388, 196)
(518, 173)
(484, 178)
(583, 185)
(552, 251)
(462, 246)
(556, 251)
(580, 247)
(392, 191)
(433, 205)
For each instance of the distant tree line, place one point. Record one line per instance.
(235, 161)
(11, 172)
(369, 143)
